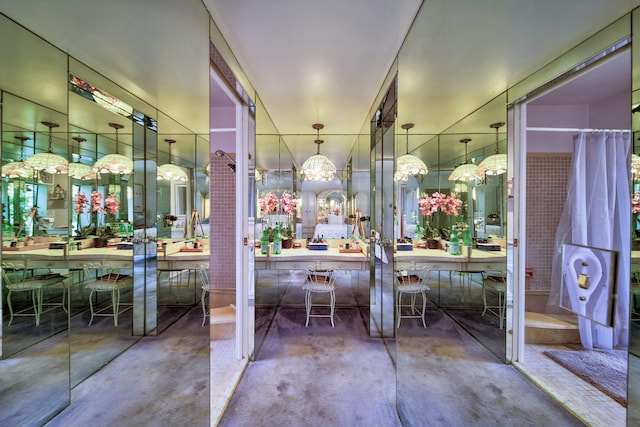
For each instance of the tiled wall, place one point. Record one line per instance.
(222, 189)
(547, 177)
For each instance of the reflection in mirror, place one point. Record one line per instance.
(36, 280)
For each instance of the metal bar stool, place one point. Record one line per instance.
(495, 281)
(319, 282)
(411, 284)
(202, 271)
(111, 283)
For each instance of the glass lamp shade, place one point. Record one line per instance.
(48, 162)
(466, 172)
(82, 171)
(318, 168)
(171, 172)
(115, 164)
(16, 170)
(495, 164)
(635, 166)
(400, 176)
(409, 164)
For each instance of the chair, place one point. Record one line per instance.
(411, 284)
(319, 282)
(35, 286)
(112, 283)
(203, 274)
(495, 281)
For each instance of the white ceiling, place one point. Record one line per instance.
(321, 61)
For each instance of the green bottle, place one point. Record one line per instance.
(466, 238)
(277, 242)
(264, 242)
(454, 243)
(418, 232)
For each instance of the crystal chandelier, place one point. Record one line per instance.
(48, 161)
(495, 164)
(114, 163)
(79, 170)
(17, 169)
(318, 167)
(467, 171)
(169, 171)
(408, 164)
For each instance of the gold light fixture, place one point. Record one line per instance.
(467, 171)
(318, 167)
(169, 171)
(17, 169)
(496, 164)
(114, 163)
(48, 161)
(79, 170)
(408, 164)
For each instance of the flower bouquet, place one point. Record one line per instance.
(430, 205)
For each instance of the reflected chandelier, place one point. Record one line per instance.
(496, 164)
(114, 163)
(467, 171)
(408, 164)
(48, 161)
(79, 170)
(169, 171)
(318, 167)
(17, 169)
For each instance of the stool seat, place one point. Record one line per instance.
(112, 282)
(495, 281)
(319, 282)
(412, 285)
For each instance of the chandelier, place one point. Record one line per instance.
(318, 167)
(17, 169)
(48, 161)
(79, 170)
(408, 164)
(496, 164)
(114, 163)
(467, 171)
(169, 171)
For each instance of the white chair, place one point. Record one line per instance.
(319, 282)
(111, 283)
(203, 275)
(34, 285)
(412, 285)
(495, 281)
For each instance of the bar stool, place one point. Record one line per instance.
(411, 284)
(319, 282)
(495, 281)
(202, 271)
(112, 283)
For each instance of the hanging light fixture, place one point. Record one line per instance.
(79, 170)
(169, 171)
(18, 169)
(408, 164)
(48, 161)
(318, 167)
(467, 171)
(114, 163)
(496, 164)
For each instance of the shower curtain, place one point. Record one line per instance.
(597, 213)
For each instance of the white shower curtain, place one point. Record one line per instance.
(597, 213)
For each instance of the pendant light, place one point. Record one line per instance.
(467, 171)
(114, 163)
(408, 164)
(169, 171)
(495, 164)
(18, 169)
(79, 170)
(48, 161)
(318, 167)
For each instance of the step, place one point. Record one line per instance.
(543, 328)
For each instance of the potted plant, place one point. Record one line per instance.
(103, 233)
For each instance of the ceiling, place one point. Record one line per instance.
(312, 61)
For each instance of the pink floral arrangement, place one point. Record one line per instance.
(449, 205)
(96, 202)
(288, 203)
(635, 203)
(112, 204)
(269, 203)
(80, 203)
